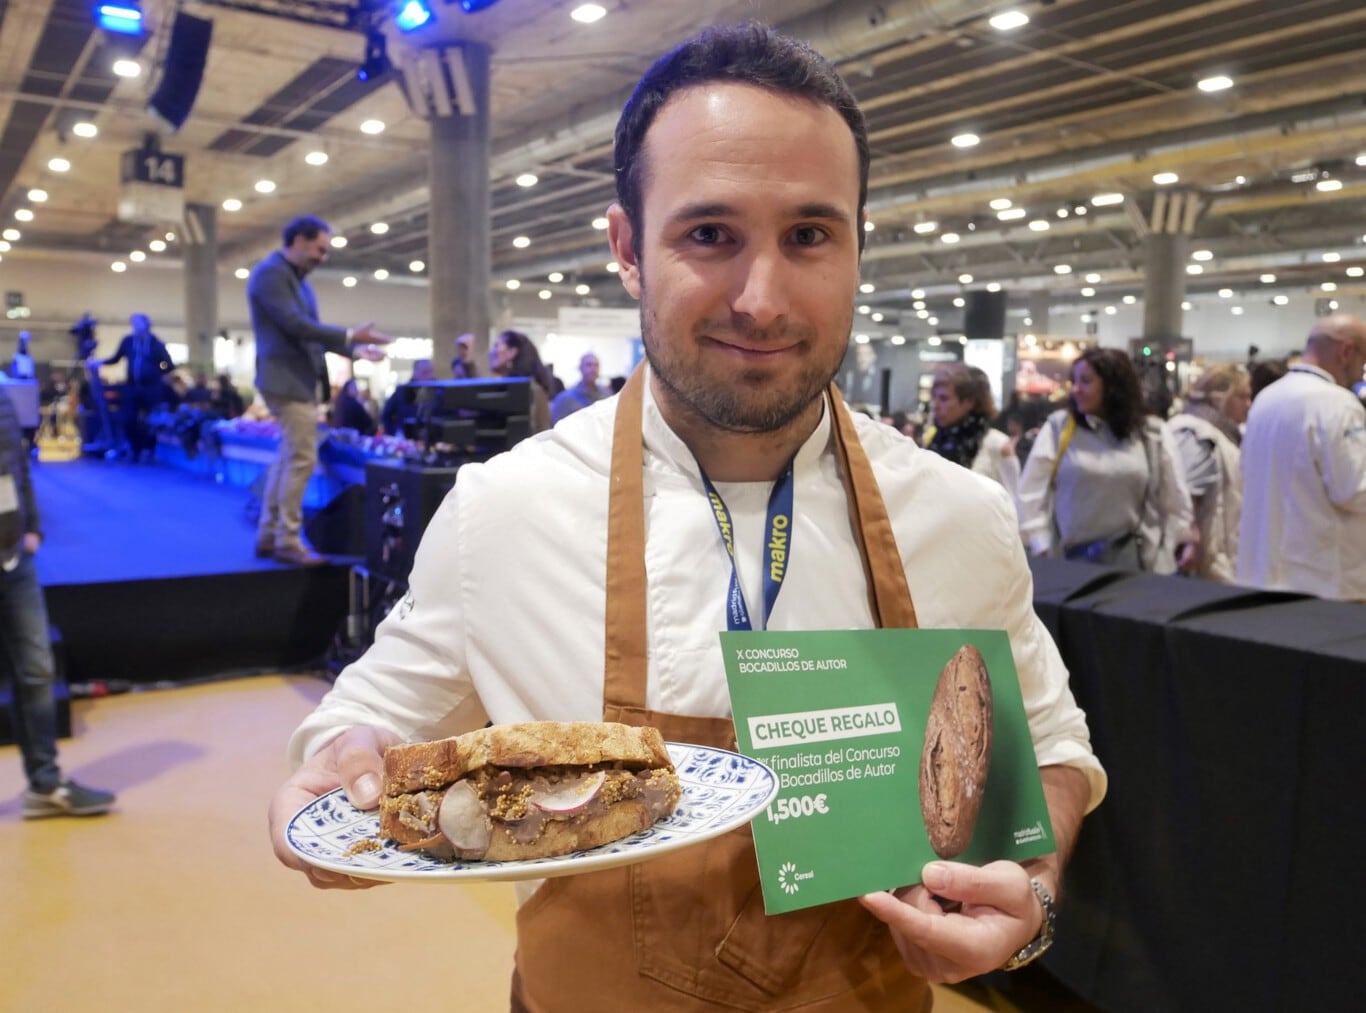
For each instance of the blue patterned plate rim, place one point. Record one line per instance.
(722, 790)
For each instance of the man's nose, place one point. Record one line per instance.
(762, 287)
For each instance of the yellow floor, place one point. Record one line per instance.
(175, 903)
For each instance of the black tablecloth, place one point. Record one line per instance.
(1223, 869)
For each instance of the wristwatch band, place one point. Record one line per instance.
(1035, 948)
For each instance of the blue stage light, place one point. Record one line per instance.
(124, 18)
(471, 6)
(411, 15)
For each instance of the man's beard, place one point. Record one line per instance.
(749, 405)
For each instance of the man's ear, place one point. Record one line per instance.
(621, 238)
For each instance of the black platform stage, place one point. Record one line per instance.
(150, 576)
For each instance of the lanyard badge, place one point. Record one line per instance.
(777, 549)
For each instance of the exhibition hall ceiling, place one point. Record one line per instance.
(1089, 99)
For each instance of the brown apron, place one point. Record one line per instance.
(687, 931)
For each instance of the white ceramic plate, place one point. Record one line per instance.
(721, 791)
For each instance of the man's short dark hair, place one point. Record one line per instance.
(307, 226)
(750, 53)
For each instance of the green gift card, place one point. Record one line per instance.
(842, 718)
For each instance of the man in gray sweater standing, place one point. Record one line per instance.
(290, 370)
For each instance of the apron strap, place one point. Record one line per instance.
(627, 659)
(889, 597)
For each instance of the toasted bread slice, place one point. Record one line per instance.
(428, 766)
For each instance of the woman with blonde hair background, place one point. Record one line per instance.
(1207, 438)
(963, 409)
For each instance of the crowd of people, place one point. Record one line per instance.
(1256, 477)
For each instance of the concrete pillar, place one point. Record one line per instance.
(458, 256)
(1039, 301)
(1164, 285)
(199, 262)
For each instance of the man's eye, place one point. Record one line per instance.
(708, 234)
(807, 235)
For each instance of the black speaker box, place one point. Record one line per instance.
(338, 528)
(400, 500)
(985, 315)
(184, 69)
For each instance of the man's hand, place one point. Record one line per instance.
(366, 334)
(999, 914)
(354, 761)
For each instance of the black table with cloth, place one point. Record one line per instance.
(1224, 869)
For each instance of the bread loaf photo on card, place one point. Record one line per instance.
(956, 756)
(522, 791)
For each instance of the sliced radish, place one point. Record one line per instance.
(571, 797)
(463, 820)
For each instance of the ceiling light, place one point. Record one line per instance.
(1240, 180)
(1039, 225)
(867, 287)
(1129, 300)
(372, 127)
(917, 293)
(379, 228)
(528, 179)
(1237, 311)
(170, 237)
(521, 242)
(349, 281)
(1329, 286)
(124, 18)
(1268, 279)
(1304, 176)
(11, 235)
(1063, 212)
(1216, 83)
(586, 14)
(242, 274)
(897, 339)
(613, 267)
(868, 225)
(932, 321)
(1328, 185)
(1110, 311)
(959, 302)
(1093, 278)
(582, 289)
(877, 318)
(1088, 292)
(965, 279)
(1226, 293)
(137, 256)
(265, 186)
(1011, 214)
(118, 267)
(1080, 209)
(1008, 21)
(513, 284)
(127, 68)
(412, 15)
(85, 129)
(338, 242)
(555, 277)
(1202, 255)
(965, 140)
(993, 286)
(599, 223)
(1281, 300)
(924, 228)
(316, 158)
(417, 266)
(949, 237)
(544, 293)
(1166, 178)
(865, 310)
(26, 215)
(919, 304)
(999, 203)
(922, 314)
(1194, 269)
(37, 196)
(381, 274)
(1062, 268)
(157, 245)
(1355, 272)
(59, 164)
(232, 204)
(1105, 200)
(1328, 258)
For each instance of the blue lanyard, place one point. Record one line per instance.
(777, 550)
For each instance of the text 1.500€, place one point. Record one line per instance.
(800, 805)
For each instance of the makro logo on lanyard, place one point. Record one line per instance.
(778, 547)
